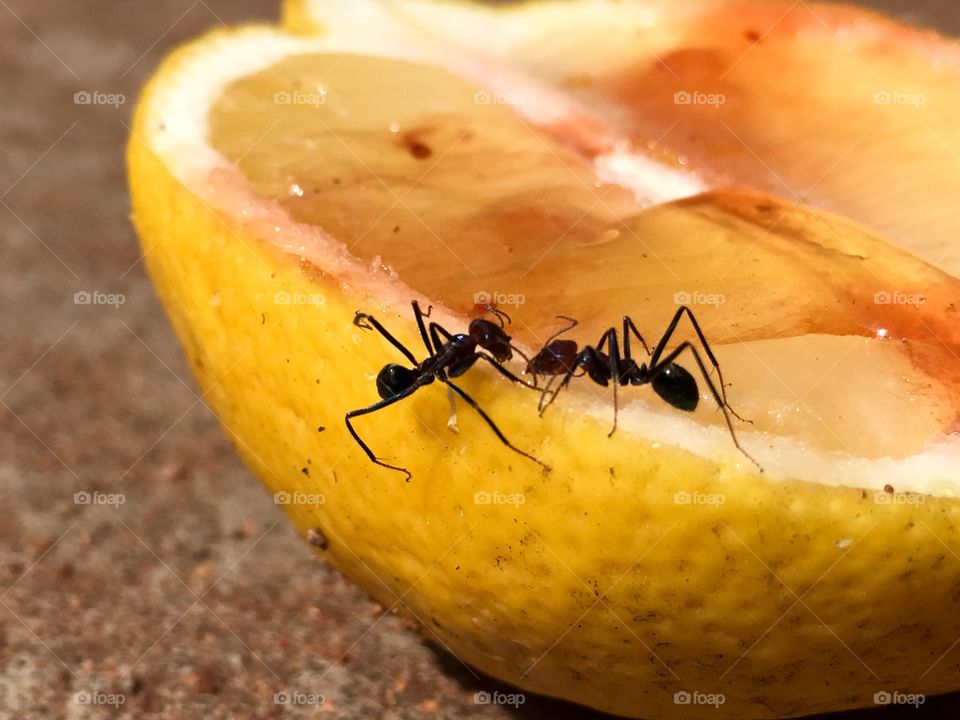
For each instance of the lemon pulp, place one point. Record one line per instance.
(439, 181)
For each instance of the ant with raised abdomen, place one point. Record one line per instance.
(450, 356)
(669, 380)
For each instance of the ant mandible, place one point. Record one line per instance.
(675, 385)
(450, 356)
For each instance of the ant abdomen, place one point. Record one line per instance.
(393, 379)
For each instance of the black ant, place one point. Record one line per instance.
(669, 380)
(450, 356)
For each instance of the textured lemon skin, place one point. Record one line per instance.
(600, 587)
(295, 17)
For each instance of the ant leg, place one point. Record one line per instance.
(452, 419)
(373, 408)
(553, 396)
(683, 309)
(440, 336)
(368, 322)
(571, 373)
(609, 338)
(572, 324)
(437, 331)
(526, 362)
(657, 369)
(543, 396)
(493, 426)
(420, 315)
(506, 373)
(630, 329)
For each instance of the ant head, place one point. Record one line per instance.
(393, 379)
(677, 387)
(491, 338)
(555, 358)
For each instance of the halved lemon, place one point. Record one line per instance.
(283, 182)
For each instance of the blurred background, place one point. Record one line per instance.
(189, 595)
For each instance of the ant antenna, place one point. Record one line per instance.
(572, 324)
(500, 315)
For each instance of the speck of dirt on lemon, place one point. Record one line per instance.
(316, 537)
(419, 150)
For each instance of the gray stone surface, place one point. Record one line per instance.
(193, 598)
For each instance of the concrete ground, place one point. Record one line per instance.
(192, 598)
